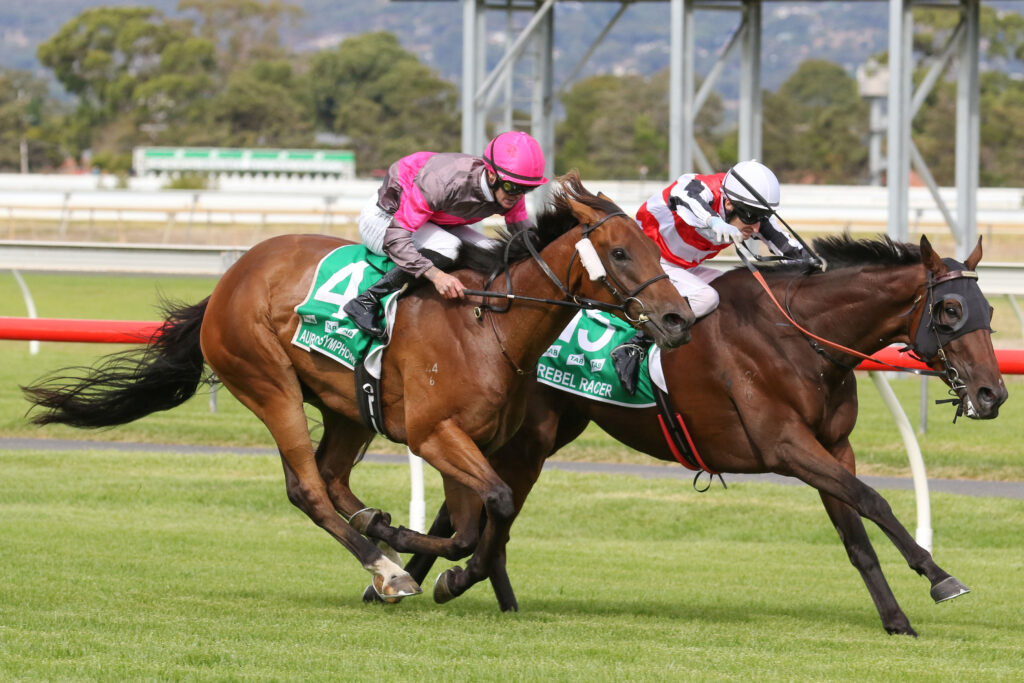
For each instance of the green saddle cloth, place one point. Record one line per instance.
(324, 327)
(580, 361)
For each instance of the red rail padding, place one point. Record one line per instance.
(75, 330)
(1011, 361)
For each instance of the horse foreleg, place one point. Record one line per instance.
(862, 556)
(453, 453)
(809, 462)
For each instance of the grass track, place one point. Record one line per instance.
(164, 566)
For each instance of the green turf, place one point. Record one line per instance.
(969, 449)
(143, 566)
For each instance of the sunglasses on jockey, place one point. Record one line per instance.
(511, 188)
(749, 214)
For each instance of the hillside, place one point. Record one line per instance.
(843, 32)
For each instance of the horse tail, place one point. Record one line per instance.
(127, 385)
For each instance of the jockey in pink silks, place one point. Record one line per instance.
(424, 209)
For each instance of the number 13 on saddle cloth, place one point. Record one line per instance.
(580, 362)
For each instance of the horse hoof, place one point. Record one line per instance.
(370, 595)
(442, 591)
(362, 519)
(947, 589)
(399, 587)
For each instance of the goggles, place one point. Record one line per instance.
(511, 188)
(749, 214)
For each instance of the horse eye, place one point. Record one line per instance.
(619, 254)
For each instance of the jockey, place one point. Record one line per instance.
(425, 206)
(694, 219)
(698, 216)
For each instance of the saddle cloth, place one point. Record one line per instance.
(324, 327)
(580, 363)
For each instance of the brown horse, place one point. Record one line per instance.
(451, 384)
(758, 395)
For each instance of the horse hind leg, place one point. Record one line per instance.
(862, 556)
(277, 401)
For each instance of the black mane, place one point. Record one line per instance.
(554, 220)
(843, 251)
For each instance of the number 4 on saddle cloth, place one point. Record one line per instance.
(580, 362)
(325, 328)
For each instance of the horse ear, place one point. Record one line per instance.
(930, 259)
(974, 258)
(583, 213)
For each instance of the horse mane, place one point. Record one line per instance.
(554, 220)
(843, 251)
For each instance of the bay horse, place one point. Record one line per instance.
(451, 380)
(757, 395)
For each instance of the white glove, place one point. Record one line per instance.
(724, 232)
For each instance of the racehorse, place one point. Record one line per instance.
(451, 379)
(758, 395)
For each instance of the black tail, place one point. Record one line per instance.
(128, 385)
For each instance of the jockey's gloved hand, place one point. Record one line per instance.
(724, 232)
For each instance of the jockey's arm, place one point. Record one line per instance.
(400, 248)
(780, 241)
(691, 200)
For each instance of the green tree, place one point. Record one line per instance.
(243, 31)
(383, 99)
(28, 120)
(135, 73)
(262, 106)
(617, 127)
(816, 126)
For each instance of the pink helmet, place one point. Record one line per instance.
(516, 157)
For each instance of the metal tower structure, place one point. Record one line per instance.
(519, 91)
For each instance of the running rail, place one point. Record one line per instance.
(1011, 362)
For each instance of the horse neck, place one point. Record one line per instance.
(865, 308)
(529, 328)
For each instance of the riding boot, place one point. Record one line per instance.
(627, 359)
(364, 310)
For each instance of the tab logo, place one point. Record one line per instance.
(575, 359)
(597, 364)
(309, 318)
(330, 326)
(552, 352)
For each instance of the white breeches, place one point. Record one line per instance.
(373, 223)
(693, 283)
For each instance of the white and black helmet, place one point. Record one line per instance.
(757, 176)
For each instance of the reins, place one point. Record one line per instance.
(569, 299)
(835, 345)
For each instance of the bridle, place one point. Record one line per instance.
(925, 322)
(610, 282)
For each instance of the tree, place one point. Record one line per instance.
(27, 122)
(243, 30)
(383, 99)
(135, 73)
(261, 106)
(617, 127)
(816, 126)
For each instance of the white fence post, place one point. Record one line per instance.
(924, 510)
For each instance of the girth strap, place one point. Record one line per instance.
(678, 438)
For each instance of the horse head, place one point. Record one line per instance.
(622, 266)
(954, 335)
